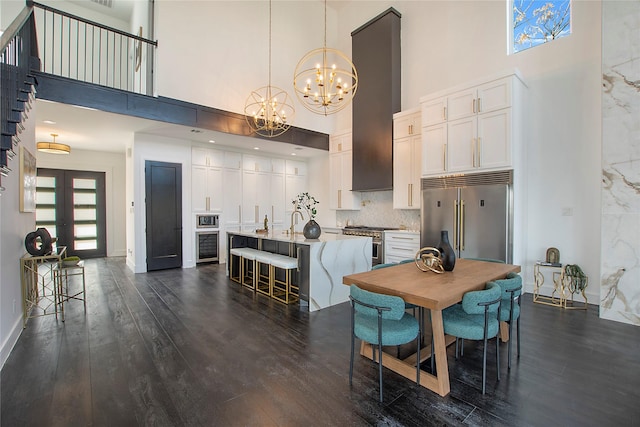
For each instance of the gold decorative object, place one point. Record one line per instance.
(429, 259)
(269, 109)
(553, 256)
(325, 80)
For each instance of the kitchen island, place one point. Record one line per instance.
(321, 262)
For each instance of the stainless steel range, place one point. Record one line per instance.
(377, 236)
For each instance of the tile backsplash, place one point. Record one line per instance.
(376, 210)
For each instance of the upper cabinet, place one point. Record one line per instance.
(407, 159)
(341, 172)
(471, 128)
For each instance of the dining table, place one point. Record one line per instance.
(434, 292)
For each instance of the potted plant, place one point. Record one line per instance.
(307, 202)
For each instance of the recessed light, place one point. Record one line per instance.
(49, 122)
(212, 141)
(293, 154)
(256, 148)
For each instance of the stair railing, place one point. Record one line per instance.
(18, 56)
(79, 49)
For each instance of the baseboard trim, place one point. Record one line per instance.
(10, 342)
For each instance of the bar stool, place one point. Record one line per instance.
(281, 290)
(61, 273)
(263, 281)
(246, 268)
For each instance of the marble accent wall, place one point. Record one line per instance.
(620, 229)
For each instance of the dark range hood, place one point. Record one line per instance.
(376, 55)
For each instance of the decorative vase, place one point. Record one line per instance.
(311, 230)
(446, 251)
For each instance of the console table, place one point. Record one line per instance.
(39, 290)
(564, 288)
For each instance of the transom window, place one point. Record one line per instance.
(534, 22)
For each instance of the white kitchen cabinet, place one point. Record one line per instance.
(339, 142)
(434, 149)
(341, 173)
(400, 245)
(406, 123)
(434, 111)
(206, 189)
(295, 183)
(407, 159)
(471, 129)
(207, 157)
(232, 199)
(256, 198)
(278, 200)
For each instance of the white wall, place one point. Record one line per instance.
(14, 226)
(113, 165)
(221, 49)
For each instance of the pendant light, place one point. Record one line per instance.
(269, 109)
(325, 80)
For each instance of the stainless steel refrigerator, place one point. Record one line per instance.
(476, 210)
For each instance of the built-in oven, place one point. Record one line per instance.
(207, 221)
(207, 246)
(377, 239)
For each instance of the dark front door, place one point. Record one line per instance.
(163, 191)
(71, 206)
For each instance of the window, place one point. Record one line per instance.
(535, 22)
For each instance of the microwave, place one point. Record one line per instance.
(207, 221)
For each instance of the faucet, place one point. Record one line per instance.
(292, 229)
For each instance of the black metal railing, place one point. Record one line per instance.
(18, 56)
(79, 49)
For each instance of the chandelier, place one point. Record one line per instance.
(325, 79)
(269, 110)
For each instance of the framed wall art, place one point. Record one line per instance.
(27, 181)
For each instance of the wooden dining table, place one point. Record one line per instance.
(434, 292)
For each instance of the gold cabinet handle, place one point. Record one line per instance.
(473, 106)
(444, 157)
(444, 113)
(339, 198)
(478, 149)
(462, 225)
(257, 208)
(479, 105)
(473, 152)
(207, 203)
(455, 223)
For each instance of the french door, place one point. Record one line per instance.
(71, 206)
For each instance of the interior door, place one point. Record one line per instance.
(71, 206)
(163, 191)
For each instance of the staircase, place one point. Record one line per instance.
(18, 57)
(73, 49)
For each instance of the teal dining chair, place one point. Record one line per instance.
(477, 318)
(407, 305)
(381, 321)
(510, 307)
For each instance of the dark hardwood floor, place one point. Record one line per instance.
(190, 348)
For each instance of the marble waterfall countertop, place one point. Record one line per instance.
(331, 257)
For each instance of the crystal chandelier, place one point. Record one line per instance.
(269, 110)
(325, 79)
